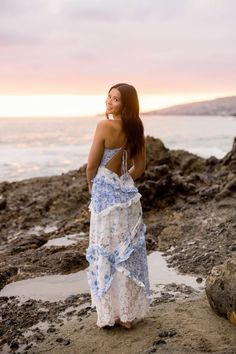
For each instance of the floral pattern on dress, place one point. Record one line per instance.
(130, 258)
(107, 192)
(118, 271)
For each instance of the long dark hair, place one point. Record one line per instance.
(132, 124)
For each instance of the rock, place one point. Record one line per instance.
(14, 344)
(199, 280)
(28, 242)
(150, 350)
(66, 261)
(163, 334)
(221, 289)
(3, 203)
(230, 158)
(157, 153)
(209, 192)
(187, 162)
(212, 161)
(151, 243)
(159, 341)
(170, 333)
(51, 330)
(228, 190)
(222, 195)
(231, 185)
(6, 274)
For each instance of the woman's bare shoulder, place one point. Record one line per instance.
(105, 123)
(102, 122)
(101, 126)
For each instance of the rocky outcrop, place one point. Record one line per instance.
(177, 177)
(221, 289)
(173, 180)
(171, 177)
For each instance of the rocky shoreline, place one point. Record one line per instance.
(189, 209)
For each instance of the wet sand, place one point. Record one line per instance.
(198, 330)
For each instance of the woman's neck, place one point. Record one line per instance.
(116, 117)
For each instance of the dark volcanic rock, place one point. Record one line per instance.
(174, 174)
(3, 203)
(66, 261)
(230, 159)
(157, 153)
(18, 318)
(6, 273)
(27, 242)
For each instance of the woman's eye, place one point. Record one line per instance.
(112, 98)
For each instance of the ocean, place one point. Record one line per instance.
(33, 147)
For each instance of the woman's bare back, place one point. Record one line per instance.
(116, 138)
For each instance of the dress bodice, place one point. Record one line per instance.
(108, 154)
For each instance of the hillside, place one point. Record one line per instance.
(224, 106)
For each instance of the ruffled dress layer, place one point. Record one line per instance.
(118, 271)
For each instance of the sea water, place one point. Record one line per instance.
(33, 147)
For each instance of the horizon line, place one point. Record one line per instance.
(34, 105)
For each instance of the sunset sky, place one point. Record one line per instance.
(60, 57)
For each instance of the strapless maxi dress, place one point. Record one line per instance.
(118, 270)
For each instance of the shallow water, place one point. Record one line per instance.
(59, 287)
(66, 240)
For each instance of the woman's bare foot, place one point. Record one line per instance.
(105, 327)
(127, 324)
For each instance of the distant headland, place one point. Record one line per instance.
(223, 106)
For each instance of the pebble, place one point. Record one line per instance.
(199, 280)
(14, 344)
(159, 341)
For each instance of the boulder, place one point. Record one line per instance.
(230, 158)
(157, 153)
(221, 289)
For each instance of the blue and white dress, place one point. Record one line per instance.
(118, 270)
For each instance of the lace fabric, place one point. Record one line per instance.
(118, 271)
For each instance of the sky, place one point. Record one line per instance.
(64, 55)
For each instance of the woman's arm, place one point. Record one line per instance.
(96, 152)
(139, 163)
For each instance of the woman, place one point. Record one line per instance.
(118, 271)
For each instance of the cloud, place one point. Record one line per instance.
(84, 43)
(14, 39)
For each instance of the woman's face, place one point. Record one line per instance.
(113, 102)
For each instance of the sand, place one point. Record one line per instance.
(198, 330)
